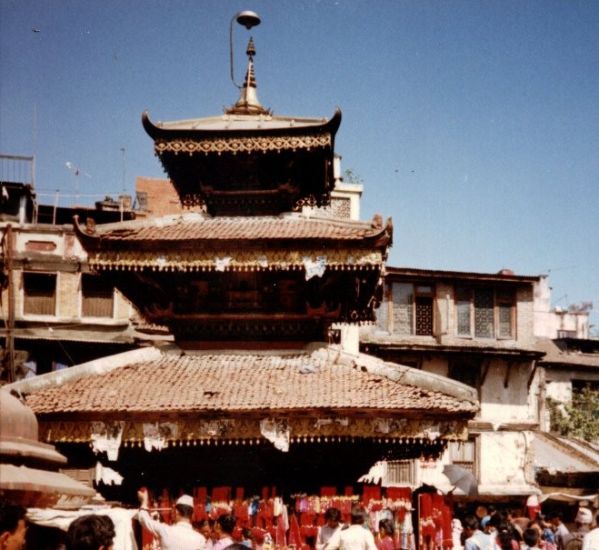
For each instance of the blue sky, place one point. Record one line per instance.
(474, 124)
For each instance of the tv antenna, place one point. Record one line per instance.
(76, 171)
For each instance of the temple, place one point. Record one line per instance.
(255, 391)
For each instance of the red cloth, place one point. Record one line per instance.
(221, 494)
(165, 502)
(427, 527)
(280, 538)
(399, 493)
(199, 504)
(258, 535)
(446, 526)
(328, 491)
(295, 538)
(370, 492)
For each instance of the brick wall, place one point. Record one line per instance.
(162, 199)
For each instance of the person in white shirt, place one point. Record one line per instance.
(355, 537)
(591, 540)
(332, 518)
(180, 535)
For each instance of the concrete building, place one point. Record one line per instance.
(52, 306)
(492, 332)
(477, 328)
(555, 322)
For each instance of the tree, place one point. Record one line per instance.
(579, 418)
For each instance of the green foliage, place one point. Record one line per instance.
(349, 176)
(579, 418)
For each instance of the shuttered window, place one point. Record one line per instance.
(39, 293)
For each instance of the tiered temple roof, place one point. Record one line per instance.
(367, 397)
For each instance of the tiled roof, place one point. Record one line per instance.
(503, 276)
(251, 381)
(197, 227)
(372, 335)
(554, 356)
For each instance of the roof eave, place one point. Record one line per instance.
(156, 132)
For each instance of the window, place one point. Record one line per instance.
(413, 309)
(463, 454)
(96, 296)
(485, 312)
(401, 472)
(39, 293)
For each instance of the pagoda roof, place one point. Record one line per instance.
(324, 378)
(194, 227)
(242, 124)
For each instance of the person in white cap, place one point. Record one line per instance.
(178, 536)
(583, 521)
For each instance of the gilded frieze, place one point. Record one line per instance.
(234, 260)
(224, 430)
(243, 144)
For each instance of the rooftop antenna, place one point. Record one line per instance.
(248, 19)
(124, 152)
(76, 171)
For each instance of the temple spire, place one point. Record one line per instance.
(248, 103)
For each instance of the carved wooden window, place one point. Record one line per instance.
(97, 297)
(39, 293)
(484, 325)
(505, 313)
(413, 309)
(485, 312)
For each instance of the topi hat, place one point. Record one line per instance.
(185, 500)
(584, 515)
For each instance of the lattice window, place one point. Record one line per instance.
(97, 297)
(484, 326)
(463, 307)
(341, 207)
(412, 309)
(401, 472)
(39, 293)
(403, 296)
(424, 315)
(505, 313)
(485, 312)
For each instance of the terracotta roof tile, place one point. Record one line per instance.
(240, 382)
(198, 227)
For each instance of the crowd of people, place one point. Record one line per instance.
(87, 532)
(494, 531)
(501, 531)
